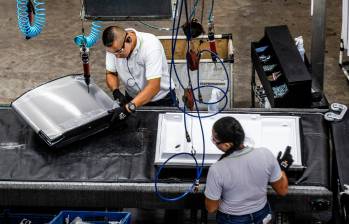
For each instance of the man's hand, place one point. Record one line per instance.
(286, 160)
(119, 114)
(119, 97)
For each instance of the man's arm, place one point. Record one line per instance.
(211, 205)
(149, 91)
(281, 186)
(112, 80)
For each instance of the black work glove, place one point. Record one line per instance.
(119, 114)
(119, 97)
(286, 160)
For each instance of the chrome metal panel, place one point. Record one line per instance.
(62, 105)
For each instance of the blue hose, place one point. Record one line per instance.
(191, 188)
(92, 38)
(199, 168)
(24, 25)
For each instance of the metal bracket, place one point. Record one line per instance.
(337, 112)
(193, 151)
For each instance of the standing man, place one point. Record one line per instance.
(236, 185)
(138, 60)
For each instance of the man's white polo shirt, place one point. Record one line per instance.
(147, 61)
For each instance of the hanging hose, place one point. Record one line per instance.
(24, 24)
(199, 167)
(92, 38)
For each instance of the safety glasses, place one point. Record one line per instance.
(215, 141)
(119, 51)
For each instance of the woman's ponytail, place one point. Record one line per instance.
(229, 130)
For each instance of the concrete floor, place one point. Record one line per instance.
(25, 64)
(28, 63)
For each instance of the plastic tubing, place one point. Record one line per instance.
(27, 29)
(92, 38)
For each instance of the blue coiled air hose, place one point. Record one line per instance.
(198, 168)
(92, 38)
(24, 25)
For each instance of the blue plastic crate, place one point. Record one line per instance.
(94, 217)
(10, 217)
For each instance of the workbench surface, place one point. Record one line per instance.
(116, 165)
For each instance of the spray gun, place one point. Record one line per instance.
(212, 40)
(84, 53)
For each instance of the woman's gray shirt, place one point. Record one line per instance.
(240, 180)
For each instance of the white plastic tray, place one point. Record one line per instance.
(272, 132)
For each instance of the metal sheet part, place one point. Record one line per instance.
(62, 105)
(272, 132)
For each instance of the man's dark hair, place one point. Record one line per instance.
(108, 36)
(228, 129)
(112, 33)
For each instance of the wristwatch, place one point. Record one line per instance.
(132, 107)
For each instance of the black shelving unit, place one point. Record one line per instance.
(281, 70)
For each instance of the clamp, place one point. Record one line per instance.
(336, 113)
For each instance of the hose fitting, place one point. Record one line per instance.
(196, 186)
